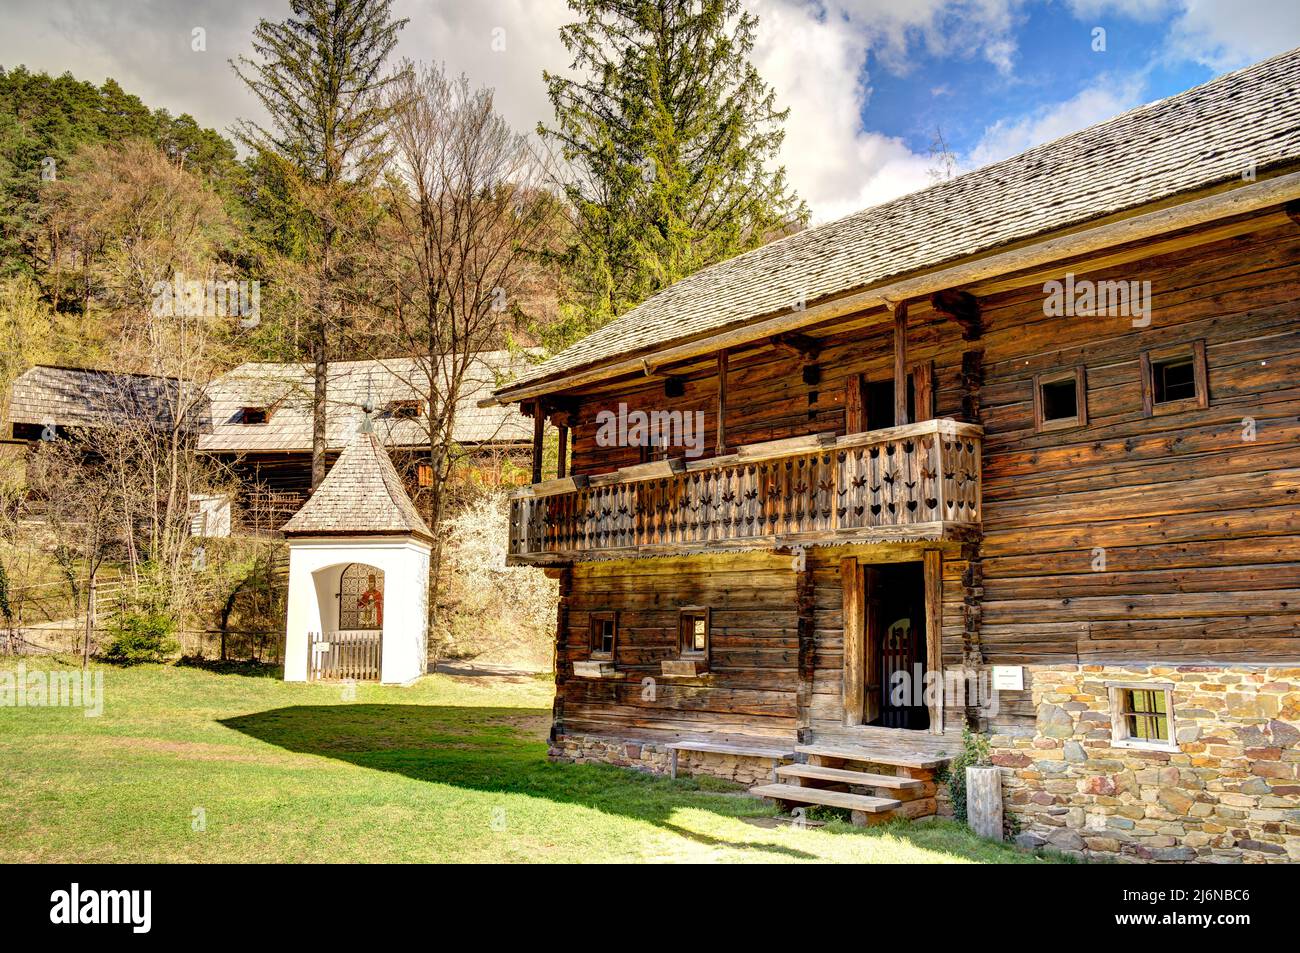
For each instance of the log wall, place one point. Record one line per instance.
(1198, 525)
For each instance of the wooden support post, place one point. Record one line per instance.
(923, 380)
(851, 584)
(855, 404)
(900, 364)
(805, 597)
(984, 801)
(539, 432)
(933, 585)
(558, 659)
(722, 403)
(561, 464)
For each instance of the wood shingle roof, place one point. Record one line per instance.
(1244, 121)
(361, 494)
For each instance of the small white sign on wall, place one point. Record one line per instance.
(1008, 678)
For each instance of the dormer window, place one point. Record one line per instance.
(254, 415)
(404, 409)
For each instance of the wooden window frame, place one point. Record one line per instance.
(685, 615)
(593, 632)
(1080, 418)
(1200, 375)
(1119, 733)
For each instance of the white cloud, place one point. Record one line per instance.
(1108, 97)
(1226, 34)
(817, 69)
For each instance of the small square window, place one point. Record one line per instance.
(1174, 379)
(604, 635)
(1142, 716)
(693, 632)
(1060, 400)
(254, 415)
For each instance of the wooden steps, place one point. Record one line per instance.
(917, 760)
(845, 776)
(829, 774)
(864, 803)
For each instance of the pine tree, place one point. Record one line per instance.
(671, 136)
(321, 77)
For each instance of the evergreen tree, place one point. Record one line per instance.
(320, 75)
(671, 137)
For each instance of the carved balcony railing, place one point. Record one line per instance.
(916, 482)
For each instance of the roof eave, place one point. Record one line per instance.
(1201, 207)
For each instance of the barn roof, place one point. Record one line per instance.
(285, 390)
(1212, 134)
(361, 494)
(86, 397)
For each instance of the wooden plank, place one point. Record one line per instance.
(900, 364)
(854, 669)
(742, 751)
(819, 772)
(932, 566)
(801, 795)
(876, 754)
(721, 446)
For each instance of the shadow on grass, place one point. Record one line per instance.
(246, 667)
(489, 749)
(502, 750)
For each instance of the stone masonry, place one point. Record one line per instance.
(656, 759)
(1230, 793)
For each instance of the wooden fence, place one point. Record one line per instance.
(337, 655)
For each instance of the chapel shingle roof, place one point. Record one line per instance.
(1248, 119)
(362, 493)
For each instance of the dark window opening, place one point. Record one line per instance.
(1060, 400)
(404, 409)
(254, 415)
(604, 635)
(880, 403)
(1174, 379)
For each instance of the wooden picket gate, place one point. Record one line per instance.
(356, 654)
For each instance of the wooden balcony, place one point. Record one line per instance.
(916, 482)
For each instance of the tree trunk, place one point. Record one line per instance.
(90, 622)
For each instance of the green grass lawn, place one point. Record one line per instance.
(450, 769)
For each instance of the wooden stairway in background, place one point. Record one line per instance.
(859, 780)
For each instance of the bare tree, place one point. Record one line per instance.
(469, 215)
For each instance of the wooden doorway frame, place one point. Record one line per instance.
(858, 634)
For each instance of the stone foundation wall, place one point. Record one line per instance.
(656, 759)
(1229, 794)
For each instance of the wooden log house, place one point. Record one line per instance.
(1033, 429)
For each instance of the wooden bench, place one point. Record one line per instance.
(738, 750)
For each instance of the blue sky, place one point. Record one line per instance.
(1054, 61)
(866, 81)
